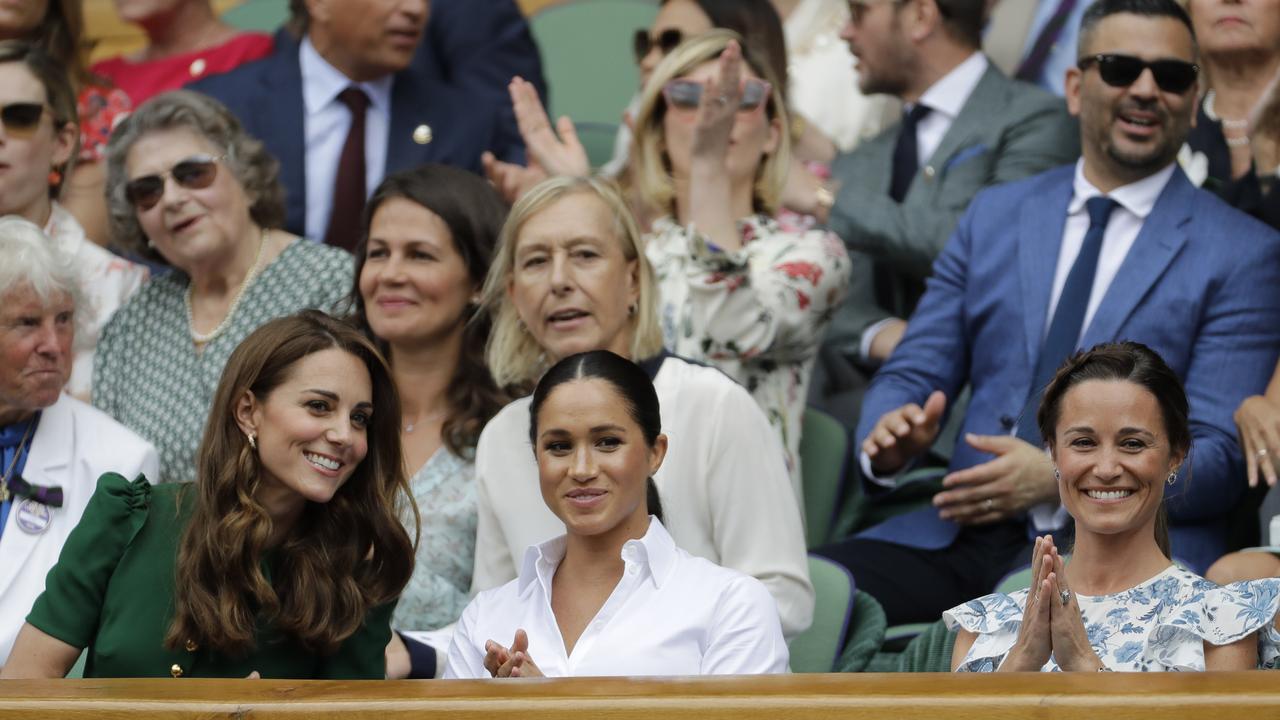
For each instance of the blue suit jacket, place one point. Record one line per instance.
(1201, 286)
(266, 96)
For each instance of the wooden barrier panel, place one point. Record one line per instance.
(1031, 696)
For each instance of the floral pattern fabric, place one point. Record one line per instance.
(1159, 625)
(100, 110)
(445, 491)
(147, 373)
(757, 313)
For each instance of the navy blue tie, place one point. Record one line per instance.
(906, 152)
(1068, 316)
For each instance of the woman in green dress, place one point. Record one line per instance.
(283, 559)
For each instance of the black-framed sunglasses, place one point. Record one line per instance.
(665, 41)
(686, 94)
(193, 173)
(22, 116)
(1173, 76)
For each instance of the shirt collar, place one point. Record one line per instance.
(656, 552)
(949, 94)
(1139, 198)
(322, 82)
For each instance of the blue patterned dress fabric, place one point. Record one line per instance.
(1159, 625)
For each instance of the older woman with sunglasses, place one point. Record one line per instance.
(739, 290)
(39, 135)
(189, 188)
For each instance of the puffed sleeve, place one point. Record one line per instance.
(995, 620)
(71, 604)
(772, 298)
(746, 638)
(1217, 616)
(466, 662)
(363, 655)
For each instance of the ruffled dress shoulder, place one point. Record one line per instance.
(1159, 625)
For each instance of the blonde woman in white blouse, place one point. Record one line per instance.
(614, 595)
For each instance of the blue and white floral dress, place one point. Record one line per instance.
(1159, 625)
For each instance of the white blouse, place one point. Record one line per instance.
(106, 281)
(670, 614)
(725, 492)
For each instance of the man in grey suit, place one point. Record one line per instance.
(965, 127)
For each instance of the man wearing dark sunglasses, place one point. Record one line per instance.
(346, 102)
(1119, 246)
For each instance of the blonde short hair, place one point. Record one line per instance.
(651, 170)
(514, 356)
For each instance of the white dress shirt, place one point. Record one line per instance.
(725, 491)
(946, 98)
(325, 124)
(1134, 203)
(670, 614)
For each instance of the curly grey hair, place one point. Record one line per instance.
(34, 261)
(253, 167)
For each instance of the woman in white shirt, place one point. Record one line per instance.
(616, 578)
(569, 276)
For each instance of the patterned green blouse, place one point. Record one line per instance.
(147, 373)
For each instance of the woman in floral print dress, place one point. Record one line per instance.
(741, 289)
(1115, 421)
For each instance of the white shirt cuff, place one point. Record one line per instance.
(1048, 516)
(888, 481)
(869, 336)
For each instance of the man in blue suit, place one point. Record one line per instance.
(340, 102)
(1120, 246)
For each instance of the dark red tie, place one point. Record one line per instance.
(348, 186)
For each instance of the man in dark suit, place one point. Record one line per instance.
(1119, 246)
(341, 103)
(965, 127)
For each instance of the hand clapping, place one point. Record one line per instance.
(503, 662)
(902, 434)
(1051, 623)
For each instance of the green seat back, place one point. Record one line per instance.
(261, 15)
(866, 633)
(824, 446)
(815, 650)
(588, 63)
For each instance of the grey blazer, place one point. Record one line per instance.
(1006, 131)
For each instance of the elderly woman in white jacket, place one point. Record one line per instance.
(53, 447)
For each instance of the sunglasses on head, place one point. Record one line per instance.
(686, 94)
(665, 41)
(193, 173)
(21, 116)
(1173, 76)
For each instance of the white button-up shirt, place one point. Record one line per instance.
(670, 614)
(326, 123)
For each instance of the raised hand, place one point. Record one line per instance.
(563, 155)
(1035, 640)
(1258, 424)
(1020, 476)
(902, 434)
(519, 663)
(511, 180)
(717, 109)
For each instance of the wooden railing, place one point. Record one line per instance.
(1105, 696)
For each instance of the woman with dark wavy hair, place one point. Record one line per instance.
(286, 556)
(428, 238)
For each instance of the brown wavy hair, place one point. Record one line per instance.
(474, 213)
(341, 559)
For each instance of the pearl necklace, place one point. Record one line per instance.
(434, 417)
(1227, 123)
(200, 338)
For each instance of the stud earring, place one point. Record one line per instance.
(253, 440)
(631, 310)
(1173, 477)
(1057, 476)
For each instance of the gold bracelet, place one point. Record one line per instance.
(823, 198)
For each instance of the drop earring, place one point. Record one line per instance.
(253, 440)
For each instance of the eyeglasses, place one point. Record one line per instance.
(687, 94)
(193, 173)
(665, 41)
(1173, 76)
(21, 117)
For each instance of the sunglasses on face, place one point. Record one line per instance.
(665, 41)
(193, 173)
(686, 94)
(1173, 76)
(21, 117)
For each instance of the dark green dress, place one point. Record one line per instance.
(112, 592)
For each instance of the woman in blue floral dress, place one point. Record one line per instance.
(1115, 422)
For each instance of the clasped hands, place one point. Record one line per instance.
(514, 661)
(1051, 622)
(1021, 475)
